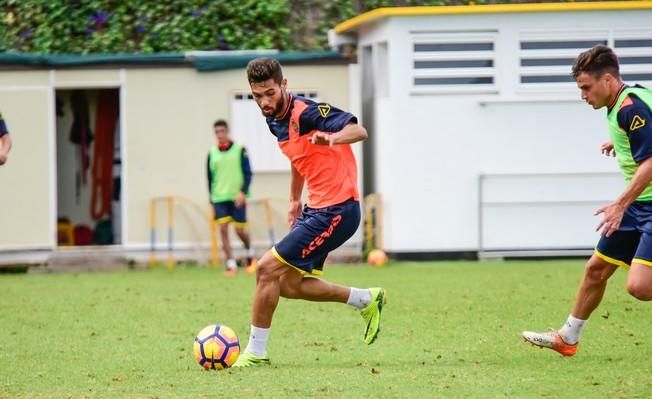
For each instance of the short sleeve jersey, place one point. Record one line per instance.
(330, 172)
(635, 119)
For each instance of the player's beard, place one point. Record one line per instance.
(277, 110)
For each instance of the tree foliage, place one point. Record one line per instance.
(150, 26)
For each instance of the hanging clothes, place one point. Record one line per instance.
(106, 120)
(80, 132)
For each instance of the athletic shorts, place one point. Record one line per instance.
(632, 242)
(316, 233)
(226, 212)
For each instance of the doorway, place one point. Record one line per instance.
(89, 167)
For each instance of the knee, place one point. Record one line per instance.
(224, 228)
(596, 273)
(240, 231)
(266, 269)
(640, 290)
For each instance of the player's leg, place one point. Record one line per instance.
(369, 301)
(295, 285)
(639, 278)
(639, 282)
(611, 252)
(592, 287)
(224, 216)
(266, 296)
(282, 270)
(240, 223)
(315, 235)
(231, 264)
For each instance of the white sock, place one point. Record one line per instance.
(251, 253)
(231, 264)
(572, 329)
(258, 341)
(359, 298)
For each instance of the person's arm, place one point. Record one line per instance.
(5, 142)
(245, 166)
(634, 120)
(641, 179)
(330, 125)
(246, 171)
(613, 213)
(352, 133)
(296, 188)
(607, 148)
(4, 148)
(209, 175)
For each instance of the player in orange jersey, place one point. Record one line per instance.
(316, 138)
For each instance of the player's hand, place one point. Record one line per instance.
(240, 200)
(294, 212)
(613, 216)
(321, 138)
(607, 149)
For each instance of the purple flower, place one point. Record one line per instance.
(88, 30)
(140, 28)
(198, 13)
(100, 18)
(26, 33)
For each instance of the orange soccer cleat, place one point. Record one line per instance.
(551, 340)
(250, 268)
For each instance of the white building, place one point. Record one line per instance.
(479, 139)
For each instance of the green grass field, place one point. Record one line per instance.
(450, 329)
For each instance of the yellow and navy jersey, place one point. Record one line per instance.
(3, 126)
(330, 172)
(635, 119)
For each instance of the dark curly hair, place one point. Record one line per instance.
(262, 69)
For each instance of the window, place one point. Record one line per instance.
(248, 127)
(546, 58)
(634, 50)
(454, 61)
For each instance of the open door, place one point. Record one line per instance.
(88, 167)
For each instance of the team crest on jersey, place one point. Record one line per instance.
(294, 126)
(637, 123)
(324, 109)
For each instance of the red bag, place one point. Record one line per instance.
(83, 235)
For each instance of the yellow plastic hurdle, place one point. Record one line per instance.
(174, 201)
(170, 202)
(373, 222)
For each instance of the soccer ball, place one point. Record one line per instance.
(377, 257)
(216, 347)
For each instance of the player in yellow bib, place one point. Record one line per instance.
(229, 176)
(626, 226)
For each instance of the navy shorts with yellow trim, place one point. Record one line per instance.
(226, 212)
(633, 240)
(316, 233)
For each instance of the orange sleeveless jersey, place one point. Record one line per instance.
(330, 173)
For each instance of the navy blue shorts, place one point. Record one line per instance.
(226, 212)
(633, 240)
(315, 234)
